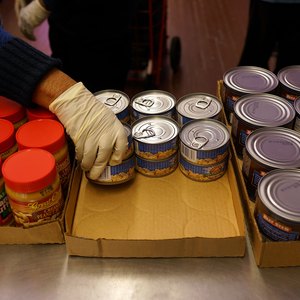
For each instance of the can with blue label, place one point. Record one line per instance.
(277, 205)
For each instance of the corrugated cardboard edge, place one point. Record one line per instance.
(188, 247)
(266, 253)
(51, 232)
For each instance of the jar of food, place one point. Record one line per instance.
(197, 106)
(48, 135)
(8, 143)
(12, 111)
(33, 186)
(289, 82)
(117, 101)
(153, 103)
(39, 112)
(256, 111)
(244, 80)
(6, 216)
(277, 206)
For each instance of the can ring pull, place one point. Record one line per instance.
(145, 102)
(145, 133)
(199, 142)
(112, 101)
(203, 103)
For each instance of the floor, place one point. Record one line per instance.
(211, 35)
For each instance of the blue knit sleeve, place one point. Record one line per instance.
(4, 37)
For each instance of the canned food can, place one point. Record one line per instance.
(244, 80)
(267, 149)
(117, 101)
(277, 207)
(130, 147)
(203, 173)
(118, 174)
(297, 119)
(155, 137)
(289, 82)
(153, 102)
(197, 106)
(204, 142)
(256, 111)
(157, 168)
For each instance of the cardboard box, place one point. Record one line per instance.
(170, 216)
(266, 253)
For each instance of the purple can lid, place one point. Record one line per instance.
(264, 110)
(279, 191)
(297, 105)
(250, 80)
(290, 77)
(274, 147)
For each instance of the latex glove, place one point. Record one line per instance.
(98, 135)
(30, 17)
(19, 4)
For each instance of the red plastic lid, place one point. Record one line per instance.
(43, 133)
(11, 110)
(39, 112)
(29, 170)
(7, 135)
(0, 167)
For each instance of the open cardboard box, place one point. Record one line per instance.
(267, 253)
(170, 216)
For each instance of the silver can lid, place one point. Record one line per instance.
(290, 77)
(128, 129)
(155, 130)
(275, 147)
(297, 105)
(206, 134)
(153, 102)
(198, 106)
(279, 191)
(264, 110)
(116, 100)
(250, 80)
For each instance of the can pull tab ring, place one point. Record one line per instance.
(199, 142)
(145, 102)
(203, 103)
(112, 101)
(145, 133)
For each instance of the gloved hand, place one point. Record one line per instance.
(30, 17)
(98, 135)
(19, 4)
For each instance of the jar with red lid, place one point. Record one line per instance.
(33, 186)
(48, 135)
(6, 216)
(8, 143)
(39, 112)
(12, 111)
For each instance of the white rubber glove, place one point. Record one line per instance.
(30, 17)
(19, 4)
(98, 135)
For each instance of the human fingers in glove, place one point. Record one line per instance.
(30, 16)
(99, 137)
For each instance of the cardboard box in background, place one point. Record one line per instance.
(267, 253)
(170, 216)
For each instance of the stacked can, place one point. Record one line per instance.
(13, 112)
(244, 80)
(197, 106)
(204, 149)
(289, 83)
(156, 145)
(267, 149)
(297, 119)
(120, 173)
(117, 101)
(260, 110)
(153, 103)
(277, 205)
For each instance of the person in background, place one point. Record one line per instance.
(91, 38)
(30, 77)
(273, 27)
